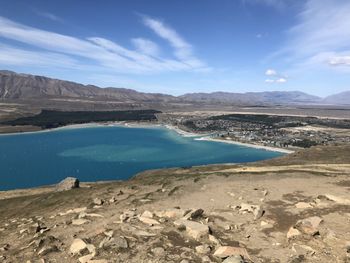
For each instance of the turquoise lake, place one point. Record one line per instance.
(107, 153)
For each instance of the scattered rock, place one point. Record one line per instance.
(297, 259)
(233, 259)
(86, 258)
(309, 225)
(158, 251)
(5, 247)
(79, 221)
(193, 229)
(98, 201)
(214, 240)
(227, 251)
(67, 184)
(77, 246)
(337, 199)
(47, 249)
(257, 210)
(127, 215)
(114, 242)
(148, 220)
(109, 233)
(203, 249)
(38, 227)
(84, 214)
(293, 232)
(112, 200)
(303, 205)
(197, 214)
(23, 231)
(347, 247)
(266, 225)
(303, 250)
(147, 214)
(171, 213)
(73, 211)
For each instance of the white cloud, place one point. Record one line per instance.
(322, 32)
(281, 80)
(49, 16)
(270, 72)
(183, 50)
(278, 80)
(275, 77)
(16, 56)
(102, 53)
(146, 46)
(337, 61)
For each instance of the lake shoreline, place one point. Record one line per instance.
(197, 136)
(256, 146)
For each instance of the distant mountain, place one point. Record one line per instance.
(272, 97)
(24, 86)
(342, 98)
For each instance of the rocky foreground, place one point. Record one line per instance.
(292, 209)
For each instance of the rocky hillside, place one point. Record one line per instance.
(24, 86)
(264, 212)
(342, 98)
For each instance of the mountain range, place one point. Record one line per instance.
(15, 86)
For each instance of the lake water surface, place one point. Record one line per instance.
(107, 153)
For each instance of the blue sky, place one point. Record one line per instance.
(182, 46)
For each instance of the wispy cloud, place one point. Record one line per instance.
(146, 46)
(18, 56)
(321, 36)
(99, 52)
(336, 61)
(183, 50)
(278, 4)
(49, 15)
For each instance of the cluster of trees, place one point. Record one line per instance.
(53, 119)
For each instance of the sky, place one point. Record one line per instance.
(182, 46)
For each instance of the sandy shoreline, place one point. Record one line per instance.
(267, 148)
(197, 136)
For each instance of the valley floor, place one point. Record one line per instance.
(291, 209)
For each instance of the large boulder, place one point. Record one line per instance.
(67, 184)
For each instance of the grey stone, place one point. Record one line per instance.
(158, 251)
(193, 229)
(197, 213)
(233, 259)
(114, 242)
(67, 184)
(203, 249)
(47, 250)
(98, 201)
